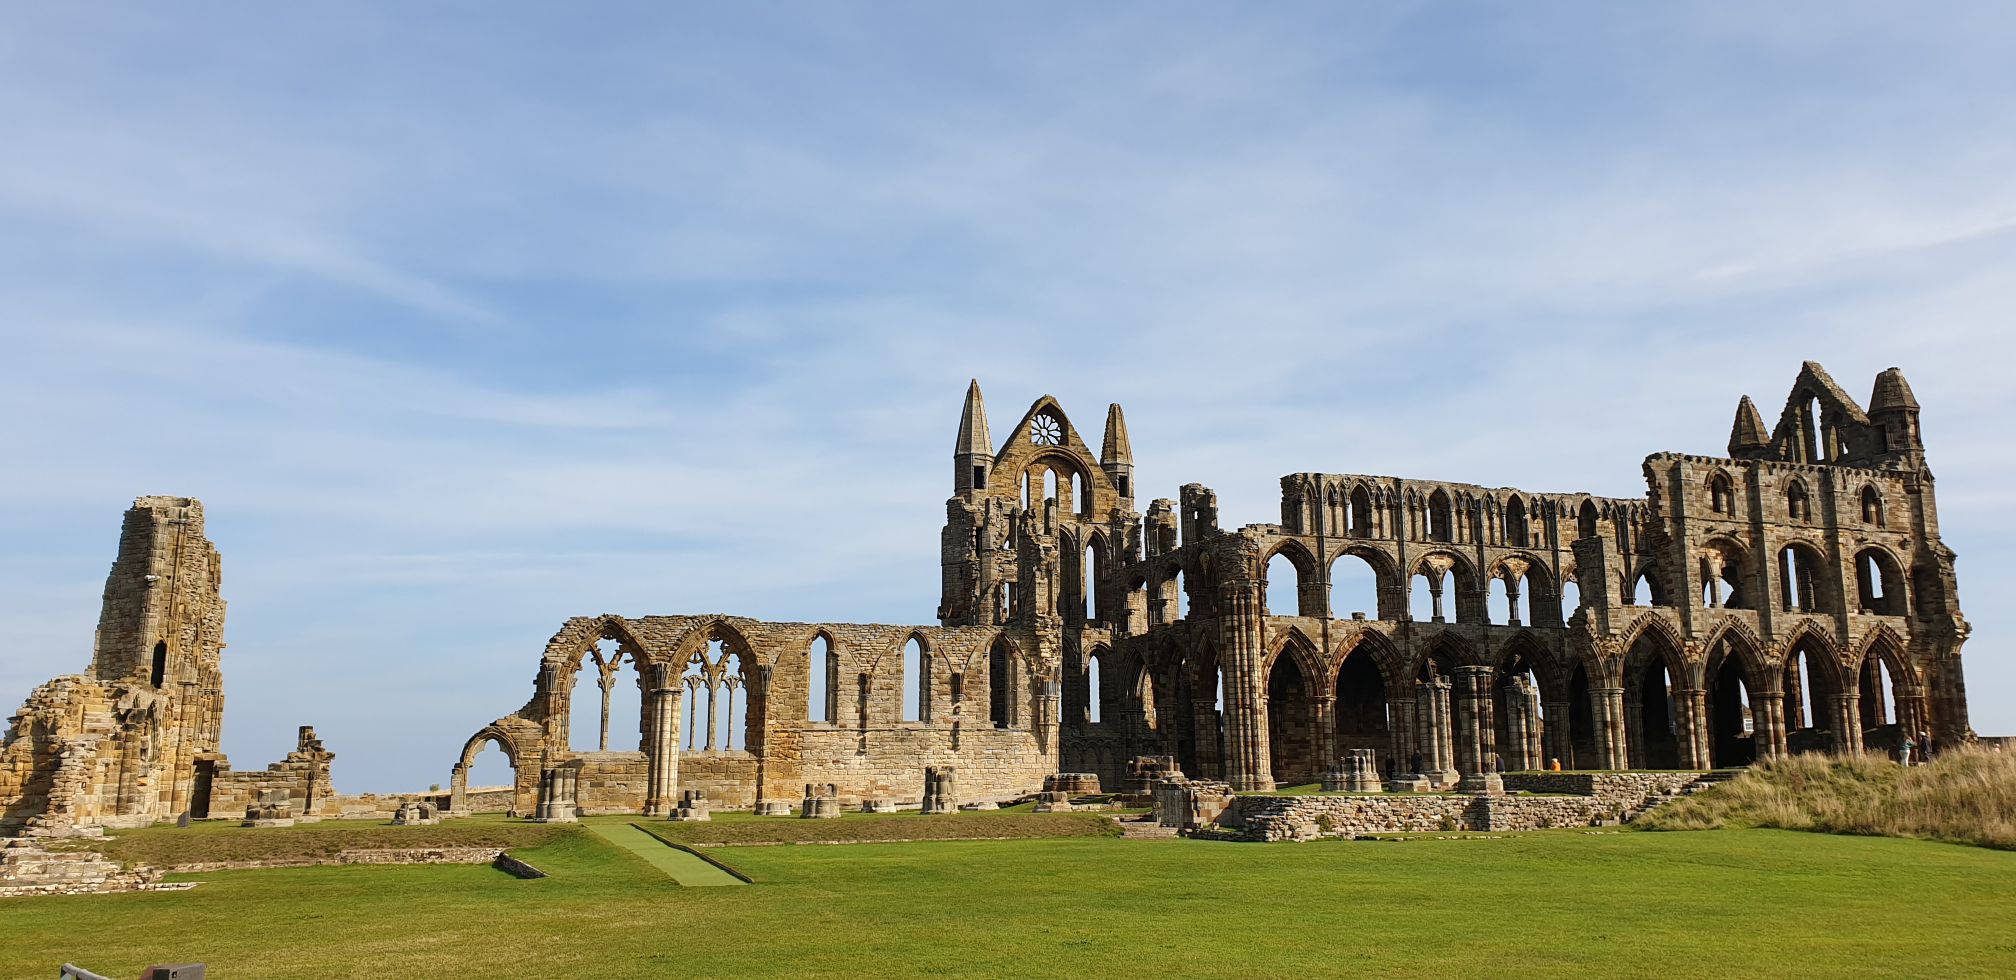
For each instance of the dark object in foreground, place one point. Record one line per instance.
(183, 971)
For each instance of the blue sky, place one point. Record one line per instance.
(466, 318)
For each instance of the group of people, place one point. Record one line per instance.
(1913, 751)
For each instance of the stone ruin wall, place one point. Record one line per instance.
(867, 751)
(135, 739)
(121, 745)
(1587, 797)
(1681, 596)
(1686, 646)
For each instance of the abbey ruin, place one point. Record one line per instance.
(1792, 595)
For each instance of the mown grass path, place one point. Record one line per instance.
(679, 865)
(1712, 903)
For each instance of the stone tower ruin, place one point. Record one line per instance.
(135, 739)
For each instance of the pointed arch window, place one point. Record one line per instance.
(1798, 505)
(715, 716)
(822, 681)
(1515, 523)
(1441, 522)
(916, 681)
(1721, 494)
(1872, 507)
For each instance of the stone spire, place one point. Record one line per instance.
(1116, 457)
(1892, 393)
(1116, 448)
(1748, 435)
(973, 438)
(973, 457)
(1894, 412)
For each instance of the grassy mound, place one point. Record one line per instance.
(171, 847)
(1966, 796)
(742, 828)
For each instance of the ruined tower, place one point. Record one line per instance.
(135, 739)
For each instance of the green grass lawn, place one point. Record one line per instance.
(684, 867)
(745, 828)
(1727, 903)
(165, 846)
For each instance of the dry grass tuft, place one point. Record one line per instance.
(1967, 795)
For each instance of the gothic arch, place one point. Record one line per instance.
(1736, 631)
(1447, 651)
(1884, 643)
(1306, 572)
(607, 628)
(1393, 667)
(1296, 644)
(1381, 561)
(1529, 645)
(490, 733)
(1291, 693)
(1650, 621)
(1734, 637)
(1817, 638)
(702, 633)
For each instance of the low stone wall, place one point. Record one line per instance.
(1628, 788)
(28, 870)
(382, 855)
(491, 800)
(1284, 818)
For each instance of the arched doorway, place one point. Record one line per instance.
(1291, 729)
(1361, 708)
(1653, 674)
(1731, 725)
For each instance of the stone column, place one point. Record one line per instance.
(1848, 723)
(1522, 725)
(1557, 735)
(1325, 735)
(1432, 727)
(1046, 706)
(1767, 713)
(1475, 731)
(603, 679)
(1248, 766)
(1634, 727)
(1400, 732)
(662, 784)
(1204, 726)
(714, 688)
(1693, 728)
(1611, 745)
(557, 786)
